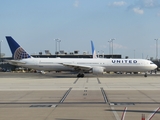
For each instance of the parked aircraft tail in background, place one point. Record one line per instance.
(94, 55)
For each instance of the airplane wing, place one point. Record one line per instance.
(77, 67)
(15, 62)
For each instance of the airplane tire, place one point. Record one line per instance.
(80, 75)
(145, 75)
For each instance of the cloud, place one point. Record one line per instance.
(150, 3)
(118, 46)
(76, 3)
(145, 4)
(120, 3)
(140, 5)
(138, 10)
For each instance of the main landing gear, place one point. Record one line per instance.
(145, 75)
(80, 75)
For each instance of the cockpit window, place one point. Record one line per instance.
(151, 63)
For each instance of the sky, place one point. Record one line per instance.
(35, 24)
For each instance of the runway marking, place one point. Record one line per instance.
(41, 105)
(115, 114)
(121, 103)
(104, 95)
(75, 81)
(87, 80)
(65, 95)
(99, 82)
(54, 106)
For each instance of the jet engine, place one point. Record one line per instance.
(97, 70)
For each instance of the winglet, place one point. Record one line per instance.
(17, 51)
(93, 50)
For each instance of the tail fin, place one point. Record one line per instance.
(93, 50)
(17, 51)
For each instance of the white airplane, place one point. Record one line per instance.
(81, 65)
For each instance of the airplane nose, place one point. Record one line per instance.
(155, 66)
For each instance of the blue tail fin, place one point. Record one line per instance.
(17, 51)
(93, 50)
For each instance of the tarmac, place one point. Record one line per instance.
(62, 96)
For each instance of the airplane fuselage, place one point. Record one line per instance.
(115, 65)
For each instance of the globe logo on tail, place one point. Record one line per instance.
(20, 53)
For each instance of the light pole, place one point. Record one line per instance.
(109, 42)
(0, 51)
(55, 46)
(59, 44)
(156, 48)
(112, 46)
(102, 53)
(57, 40)
(98, 54)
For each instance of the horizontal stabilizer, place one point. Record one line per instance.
(15, 62)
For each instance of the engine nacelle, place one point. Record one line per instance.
(98, 70)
